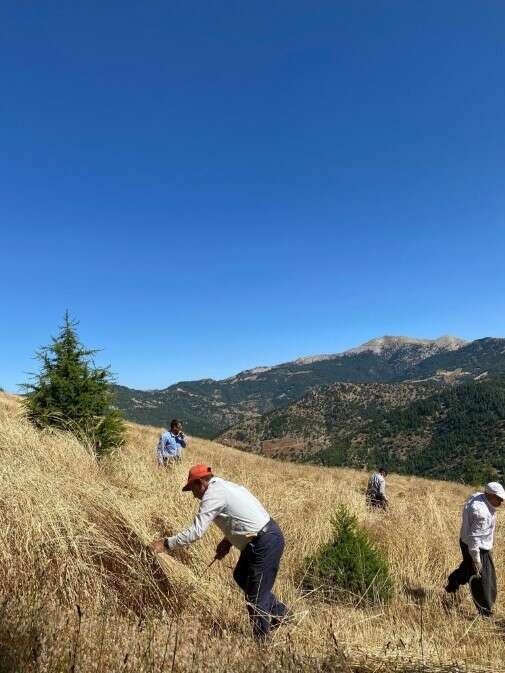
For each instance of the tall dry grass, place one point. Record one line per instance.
(80, 592)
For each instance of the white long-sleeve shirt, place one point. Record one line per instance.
(479, 522)
(377, 485)
(232, 508)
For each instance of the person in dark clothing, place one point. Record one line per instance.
(476, 543)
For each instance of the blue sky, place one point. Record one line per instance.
(211, 186)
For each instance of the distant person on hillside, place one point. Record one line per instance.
(376, 490)
(171, 444)
(476, 542)
(246, 525)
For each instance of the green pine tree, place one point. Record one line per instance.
(71, 393)
(350, 567)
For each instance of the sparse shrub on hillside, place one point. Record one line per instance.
(477, 473)
(336, 455)
(350, 567)
(71, 393)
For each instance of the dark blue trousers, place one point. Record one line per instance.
(483, 587)
(255, 574)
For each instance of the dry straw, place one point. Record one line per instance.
(80, 591)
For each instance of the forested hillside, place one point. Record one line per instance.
(482, 357)
(394, 399)
(457, 433)
(442, 431)
(323, 419)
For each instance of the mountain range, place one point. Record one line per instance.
(402, 401)
(208, 407)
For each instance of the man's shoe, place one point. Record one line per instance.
(287, 618)
(451, 600)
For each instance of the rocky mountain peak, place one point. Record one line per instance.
(390, 344)
(394, 343)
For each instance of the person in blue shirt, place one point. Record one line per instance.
(171, 444)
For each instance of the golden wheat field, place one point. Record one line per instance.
(80, 592)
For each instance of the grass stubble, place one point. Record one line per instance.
(80, 592)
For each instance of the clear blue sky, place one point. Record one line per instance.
(211, 186)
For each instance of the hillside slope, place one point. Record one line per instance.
(324, 418)
(208, 407)
(423, 428)
(457, 433)
(80, 592)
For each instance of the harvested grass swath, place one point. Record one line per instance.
(74, 534)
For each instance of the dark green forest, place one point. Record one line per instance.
(457, 433)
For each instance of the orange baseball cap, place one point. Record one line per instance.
(197, 472)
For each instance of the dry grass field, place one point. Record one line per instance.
(79, 591)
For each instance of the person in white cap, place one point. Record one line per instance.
(476, 542)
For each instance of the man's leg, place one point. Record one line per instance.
(241, 570)
(483, 588)
(264, 555)
(376, 501)
(382, 502)
(462, 573)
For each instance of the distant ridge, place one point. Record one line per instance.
(446, 343)
(388, 343)
(208, 407)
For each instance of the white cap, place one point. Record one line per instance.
(495, 488)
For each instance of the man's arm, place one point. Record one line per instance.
(159, 451)
(222, 549)
(478, 524)
(181, 440)
(210, 507)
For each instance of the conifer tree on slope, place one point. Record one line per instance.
(71, 393)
